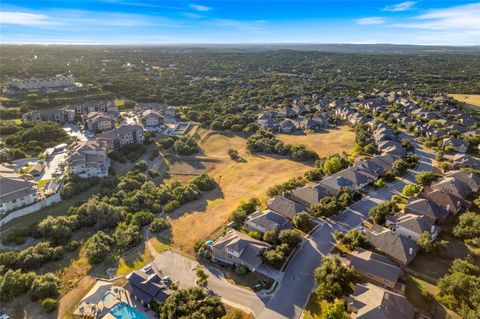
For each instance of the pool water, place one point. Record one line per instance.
(124, 311)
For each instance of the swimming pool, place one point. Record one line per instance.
(124, 311)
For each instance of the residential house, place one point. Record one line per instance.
(147, 287)
(16, 191)
(285, 206)
(465, 160)
(453, 186)
(412, 226)
(94, 106)
(286, 126)
(88, 159)
(369, 301)
(376, 268)
(431, 211)
(98, 122)
(123, 135)
(448, 201)
(267, 220)
(151, 118)
(458, 145)
(469, 179)
(314, 124)
(307, 195)
(399, 248)
(36, 169)
(168, 112)
(61, 116)
(353, 178)
(236, 248)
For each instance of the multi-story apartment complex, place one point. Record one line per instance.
(123, 135)
(37, 84)
(88, 158)
(169, 112)
(95, 106)
(54, 114)
(98, 122)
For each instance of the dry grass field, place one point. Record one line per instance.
(472, 99)
(238, 180)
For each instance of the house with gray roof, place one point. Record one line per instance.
(371, 302)
(465, 160)
(285, 206)
(267, 220)
(399, 248)
(453, 186)
(375, 268)
(236, 248)
(307, 195)
(448, 201)
(412, 226)
(469, 179)
(431, 211)
(353, 178)
(88, 159)
(146, 287)
(123, 135)
(16, 191)
(98, 121)
(458, 145)
(151, 118)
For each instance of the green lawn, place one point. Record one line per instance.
(314, 307)
(60, 208)
(43, 182)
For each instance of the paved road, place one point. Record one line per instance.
(293, 291)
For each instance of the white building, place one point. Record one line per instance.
(16, 191)
(125, 134)
(36, 84)
(87, 159)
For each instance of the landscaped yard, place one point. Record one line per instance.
(313, 310)
(238, 180)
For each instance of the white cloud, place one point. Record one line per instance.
(459, 18)
(24, 18)
(370, 20)
(199, 7)
(403, 6)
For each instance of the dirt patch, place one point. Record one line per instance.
(238, 180)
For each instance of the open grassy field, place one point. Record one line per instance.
(473, 99)
(238, 180)
(333, 141)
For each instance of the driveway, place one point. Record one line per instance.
(291, 296)
(51, 165)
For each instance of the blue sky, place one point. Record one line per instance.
(225, 21)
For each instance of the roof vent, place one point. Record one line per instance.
(410, 251)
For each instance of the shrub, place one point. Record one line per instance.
(303, 221)
(426, 178)
(233, 153)
(255, 234)
(159, 224)
(45, 286)
(378, 213)
(171, 206)
(379, 183)
(49, 305)
(411, 189)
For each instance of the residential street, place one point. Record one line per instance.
(292, 294)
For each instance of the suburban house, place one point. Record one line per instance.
(376, 269)
(399, 248)
(267, 220)
(286, 126)
(16, 191)
(458, 145)
(369, 301)
(236, 248)
(151, 118)
(87, 159)
(465, 160)
(314, 124)
(146, 287)
(307, 195)
(98, 122)
(123, 135)
(61, 116)
(412, 226)
(431, 211)
(36, 169)
(285, 206)
(453, 186)
(469, 179)
(353, 178)
(448, 201)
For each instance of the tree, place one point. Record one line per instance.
(127, 236)
(468, 228)
(411, 189)
(275, 257)
(143, 218)
(233, 153)
(159, 224)
(458, 289)
(45, 286)
(271, 237)
(378, 213)
(191, 303)
(352, 238)
(15, 283)
(379, 183)
(49, 305)
(334, 164)
(333, 278)
(428, 245)
(303, 221)
(399, 167)
(201, 277)
(291, 237)
(335, 310)
(98, 247)
(425, 178)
